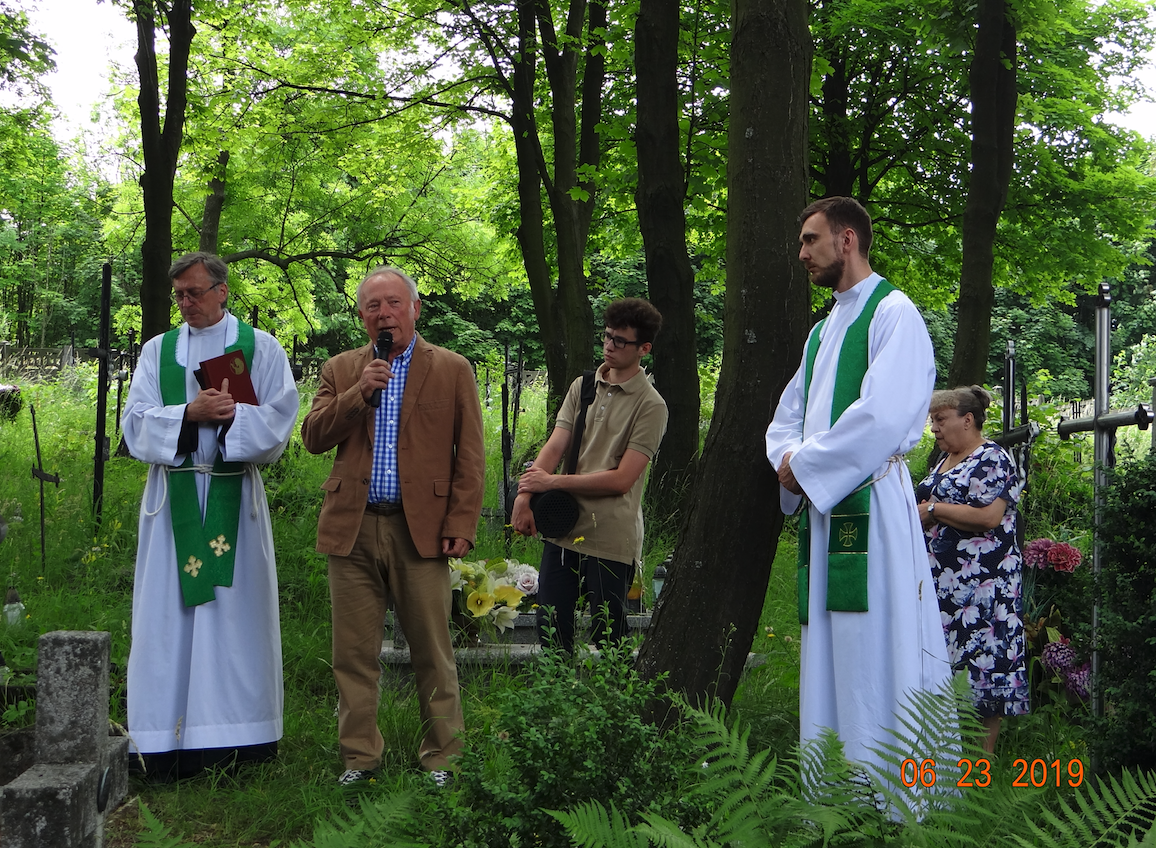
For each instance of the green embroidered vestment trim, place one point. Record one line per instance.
(206, 550)
(850, 519)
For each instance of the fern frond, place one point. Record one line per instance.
(589, 825)
(157, 835)
(379, 820)
(1113, 813)
(667, 834)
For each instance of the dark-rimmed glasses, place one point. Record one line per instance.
(618, 341)
(191, 294)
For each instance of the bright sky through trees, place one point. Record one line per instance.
(88, 35)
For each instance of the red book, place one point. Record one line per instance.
(231, 367)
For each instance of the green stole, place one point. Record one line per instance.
(847, 543)
(206, 551)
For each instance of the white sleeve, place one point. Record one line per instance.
(888, 417)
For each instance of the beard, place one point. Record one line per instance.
(830, 276)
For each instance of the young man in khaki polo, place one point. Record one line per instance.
(624, 426)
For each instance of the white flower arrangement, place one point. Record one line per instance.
(495, 590)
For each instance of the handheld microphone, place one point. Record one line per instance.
(384, 343)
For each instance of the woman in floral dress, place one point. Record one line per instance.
(968, 509)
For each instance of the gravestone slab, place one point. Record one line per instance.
(72, 697)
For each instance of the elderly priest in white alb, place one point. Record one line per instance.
(204, 672)
(871, 632)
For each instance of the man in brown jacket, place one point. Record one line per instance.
(404, 494)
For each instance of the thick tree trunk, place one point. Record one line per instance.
(214, 204)
(160, 149)
(993, 111)
(706, 618)
(660, 199)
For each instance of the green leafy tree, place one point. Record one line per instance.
(302, 188)
(892, 127)
(50, 237)
(24, 54)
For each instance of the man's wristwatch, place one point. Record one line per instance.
(931, 509)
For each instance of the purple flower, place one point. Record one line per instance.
(1058, 656)
(1035, 553)
(1079, 681)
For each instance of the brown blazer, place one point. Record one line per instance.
(440, 451)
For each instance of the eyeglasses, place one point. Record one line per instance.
(618, 341)
(191, 294)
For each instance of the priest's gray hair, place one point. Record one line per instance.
(216, 268)
(965, 399)
(389, 270)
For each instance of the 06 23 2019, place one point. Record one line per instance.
(977, 773)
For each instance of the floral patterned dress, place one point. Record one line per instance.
(979, 580)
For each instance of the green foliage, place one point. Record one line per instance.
(378, 822)
(1132, 370)
(20, 714)
(1111, 813)
(156, 834)
(1057, 503)
(820, 798)
(1125, 735)
(891, 126)
(574, 732)
(50, 237)
(24, 54)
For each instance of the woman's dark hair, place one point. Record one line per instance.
(634, 312)
(965, 399)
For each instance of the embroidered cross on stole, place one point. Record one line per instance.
(206, 550)
(850, 519)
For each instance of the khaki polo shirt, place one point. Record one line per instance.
(627, 415)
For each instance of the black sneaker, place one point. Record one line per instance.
(353, 777)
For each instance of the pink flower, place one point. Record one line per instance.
(1035, 553)
(1063, 557)
(1079, 681)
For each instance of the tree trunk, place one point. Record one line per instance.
(706, 619)
(660, 198)
(565, 319)
(160, 148)
(993, 111)
(214, 203)
(839, 169)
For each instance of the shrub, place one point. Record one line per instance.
(575, 733)
(1125, 735)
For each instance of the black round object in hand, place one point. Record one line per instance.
(555, 512)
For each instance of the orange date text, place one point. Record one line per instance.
(977, 773)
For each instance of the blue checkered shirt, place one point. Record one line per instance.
(384, 483)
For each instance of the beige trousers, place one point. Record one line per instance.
(385, 564)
